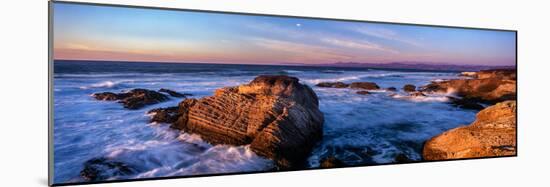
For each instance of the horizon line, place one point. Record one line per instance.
(288, 64)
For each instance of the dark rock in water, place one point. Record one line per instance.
(402, 158)
(276, 115)
(409, 88)
(333, 84)
(99, 169)
(331, 162)
(364, 85)
(164, 115)
(106, 96)
(465, 103)
(134, 99)
(362, 92)
(391, 89)
(417, 94)
(174, 93)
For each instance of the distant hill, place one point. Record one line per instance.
(418, 66)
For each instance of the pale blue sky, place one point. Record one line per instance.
(134, 34)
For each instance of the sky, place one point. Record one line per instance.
(86, 32)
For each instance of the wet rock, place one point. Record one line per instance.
(465, 103)
(402, 158)
(417, 94)
(364, 85)
(174, 93)
(409, 88)
(493, 133)
(134, 99)
(276, 115)
(106, 96)
(362, 92)
(99, 169)
(331, 162)
(333, 85)
(164, 115)
(391, 89)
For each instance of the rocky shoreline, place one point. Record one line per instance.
(279, 118)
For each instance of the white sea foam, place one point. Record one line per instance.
(103, 84)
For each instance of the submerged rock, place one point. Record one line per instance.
(333, 85)
(391, 89)
(409, 88)
(99, 169)
(276, 115)
(364, 85)
(363, 92)
(174, 93)
(164, 115)
(402, 158)
(331, 162)
(493, 133)
(134, 99)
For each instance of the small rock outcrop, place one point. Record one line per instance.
(174, 93)
(402, 158)
(134, 99)
(493, 133)
(417, 94)
(363, 92)
(331, 162)
(391, 89)
(164, 115)
(276, 115)
(505, 74)
(364, 85)
(489, 87)
(99, 169)
(409, 88)
(332, 85)
(465, 103)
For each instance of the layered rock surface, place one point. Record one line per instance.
(493, 133)
(276, 115)
(490, 86)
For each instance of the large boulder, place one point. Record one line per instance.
(364, 85)
(276, 115)
(493, 133)
(133, 99)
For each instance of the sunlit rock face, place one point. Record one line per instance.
(276, 115)
(493, 133)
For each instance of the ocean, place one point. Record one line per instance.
(358, 129)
